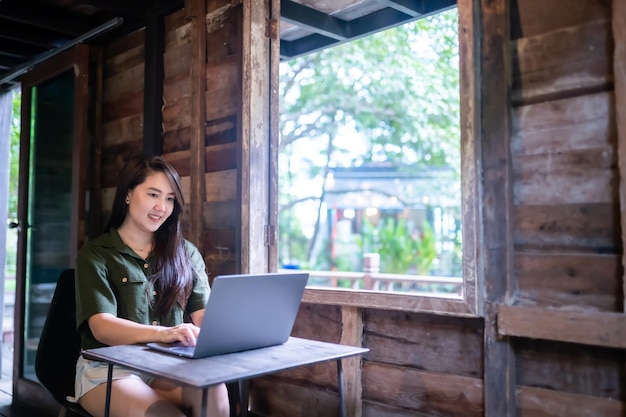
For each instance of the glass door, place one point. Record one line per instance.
(51, 206)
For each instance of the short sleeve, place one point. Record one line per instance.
(201, 290)
(93, 291)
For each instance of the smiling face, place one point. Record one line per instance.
(149, 204)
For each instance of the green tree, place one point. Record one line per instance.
(394, 94)
(15, 153)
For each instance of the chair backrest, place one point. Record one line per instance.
(59, 345)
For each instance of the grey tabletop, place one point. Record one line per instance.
(225, 368)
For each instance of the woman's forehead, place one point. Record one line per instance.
(158, 181)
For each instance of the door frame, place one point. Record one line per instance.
(25, 391)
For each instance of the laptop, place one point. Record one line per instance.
(245, 312)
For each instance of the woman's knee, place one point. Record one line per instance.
(129, 398)
(217, 400)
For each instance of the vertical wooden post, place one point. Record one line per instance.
(497, 202)
(255, 137)
(619, 75)
(154, 46)
(196, 13)
(352, 334)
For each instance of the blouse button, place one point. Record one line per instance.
(154, 323)
(145, 266)
(124, 279)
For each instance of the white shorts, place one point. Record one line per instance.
(90, 374)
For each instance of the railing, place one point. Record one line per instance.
(377, 281)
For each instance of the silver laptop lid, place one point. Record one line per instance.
(250, 311)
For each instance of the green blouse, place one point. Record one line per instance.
(112, 278)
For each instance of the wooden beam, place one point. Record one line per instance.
(352, 334)
(497, 202)
(274, 71)
(154, 46)
(619, 76)
(588, 327)
(255, 137)
(196, 13)
(548, 402)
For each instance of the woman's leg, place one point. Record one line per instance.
(130, 397)
(189, 398)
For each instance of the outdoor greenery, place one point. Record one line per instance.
(391, 98)
(11, 243)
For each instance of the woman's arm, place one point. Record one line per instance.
(112, 330)
(197, 317)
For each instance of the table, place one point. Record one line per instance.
(232, 367)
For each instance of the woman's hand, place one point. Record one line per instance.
(112, 330)
(186, 333)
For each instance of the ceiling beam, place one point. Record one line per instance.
(13, 31)
(45, 17)
(313, 20)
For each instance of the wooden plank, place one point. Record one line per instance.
(220, 214)
(221, 185)
(274, 134)
(176, 87)
(575, 177)
(128, 105)
(352, 335)
(388, 301)
(619, 69)
(177, 61)
(577, 123)
(124, 44)
(255, 134)
(497, 203)
(271, 397)
(220, 248)
(423, 392)
(568, 280)
(122, 83)
(433, 343)
(578, 369)
(469, 99)
(571, 227)
(117, 132)
(196, 13)
(537, 402)
(317, 321)
(583, 326)
(535, 17)
(124, 60)
(562, 63)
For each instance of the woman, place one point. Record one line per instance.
(139, 282)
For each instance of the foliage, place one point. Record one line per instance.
(14, 155)
(401, 250)
(391, 97)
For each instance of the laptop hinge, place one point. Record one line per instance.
(270, 235)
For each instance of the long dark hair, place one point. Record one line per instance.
(172, 277)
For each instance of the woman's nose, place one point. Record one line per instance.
(160, 205)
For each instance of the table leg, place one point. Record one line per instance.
(243, 397)
(107, 401)
(342, 405)
(205, 395)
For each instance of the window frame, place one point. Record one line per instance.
(470, 302)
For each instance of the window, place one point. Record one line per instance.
(370, 167)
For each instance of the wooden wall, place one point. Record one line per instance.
(561, 311)
(201, 120)
(551, 339)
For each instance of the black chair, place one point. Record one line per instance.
(59, 347)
